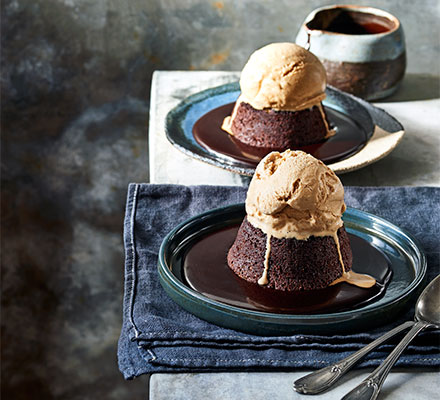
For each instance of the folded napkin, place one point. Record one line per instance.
(157, 335)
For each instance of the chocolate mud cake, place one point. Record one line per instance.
(282, 87)
(293, 263)
(293, 237)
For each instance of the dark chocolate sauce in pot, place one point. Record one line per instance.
(350, 22)
(205, 270)
(348, 140)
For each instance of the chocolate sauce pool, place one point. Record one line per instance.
(205, 270)
(348, 140)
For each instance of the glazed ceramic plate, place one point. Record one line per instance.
(180, 122)
(406, 258)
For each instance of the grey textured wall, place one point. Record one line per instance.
(75, 95)
(94, 52)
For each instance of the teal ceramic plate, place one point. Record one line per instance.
(404, 253)
(180, 122)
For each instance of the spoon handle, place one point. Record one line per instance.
(320, 380)
(369, 388)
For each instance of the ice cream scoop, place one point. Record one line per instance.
(283, 76)
(294, 195)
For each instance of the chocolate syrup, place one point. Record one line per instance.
(348, 140)
(205, 270)
(350, 22)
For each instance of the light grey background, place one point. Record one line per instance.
(75, 97)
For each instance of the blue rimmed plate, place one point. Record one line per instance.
(407, 260)
(180, 121)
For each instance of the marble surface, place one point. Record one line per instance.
(274, 386)
(265, 385)
(415, 161)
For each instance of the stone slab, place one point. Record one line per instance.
(257, 385)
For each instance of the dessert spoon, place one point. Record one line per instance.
(427, 315)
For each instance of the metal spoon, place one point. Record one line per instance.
(427, 315)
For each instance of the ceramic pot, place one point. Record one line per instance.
(362, 48)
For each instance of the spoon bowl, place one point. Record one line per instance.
(428, 304)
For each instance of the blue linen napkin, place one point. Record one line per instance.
(159, 336)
